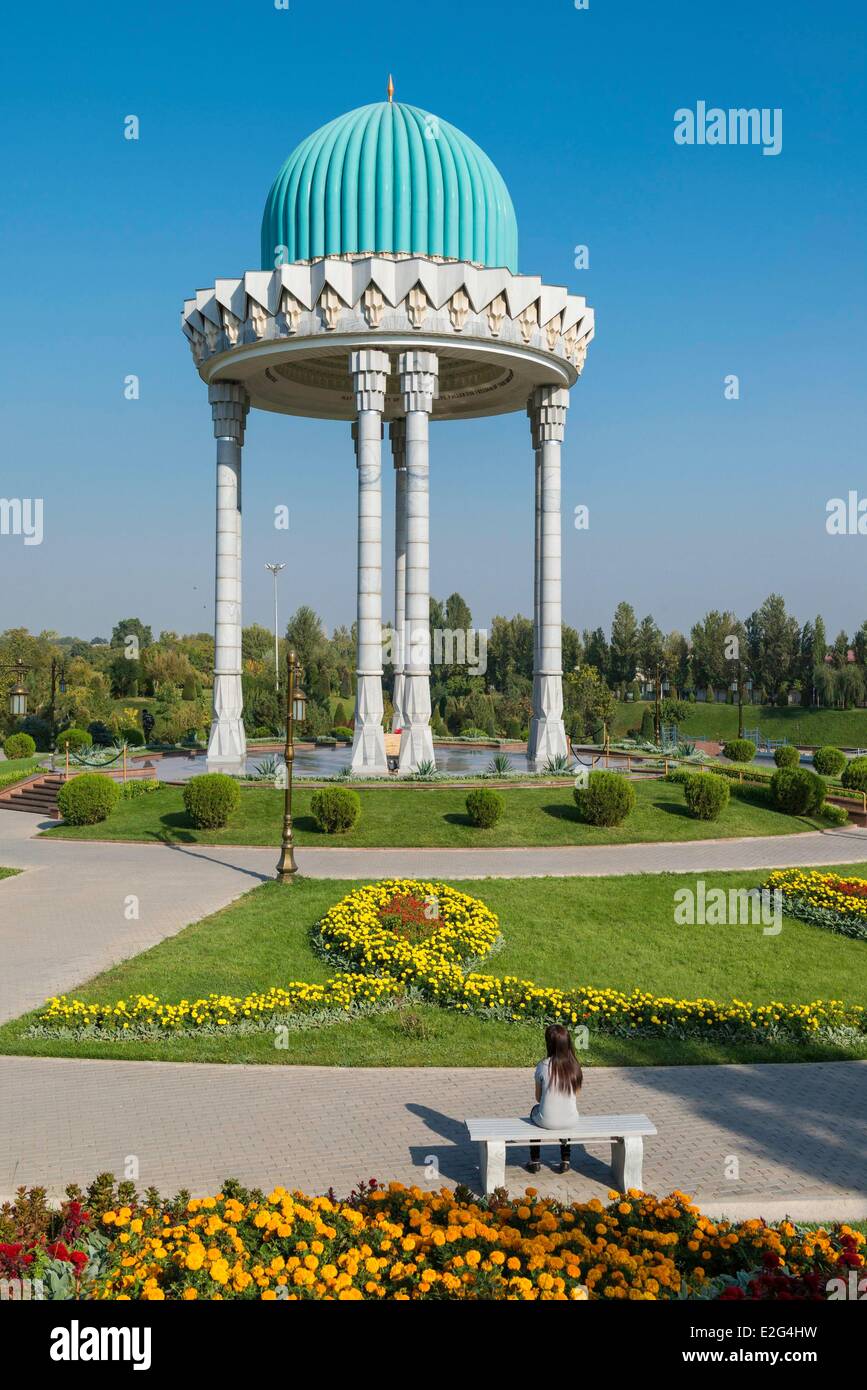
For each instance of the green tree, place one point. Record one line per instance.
(257, 644)
(712, 647)
(650, 647)
(131, 627)
(305, 634)
(624, 646)
(596, 651)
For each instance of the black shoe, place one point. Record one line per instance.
(533, 1167)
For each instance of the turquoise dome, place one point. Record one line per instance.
(386, 178)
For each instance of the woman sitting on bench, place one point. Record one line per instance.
(558, 1081)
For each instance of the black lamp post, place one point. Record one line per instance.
(58, 682)
(296, 707)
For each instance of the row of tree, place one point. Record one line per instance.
(769, 652)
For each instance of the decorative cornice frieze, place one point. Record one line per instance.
(388, 294)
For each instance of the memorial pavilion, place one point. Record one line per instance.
(389, 293)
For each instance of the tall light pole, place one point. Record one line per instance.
(275, 570)
(296, 708)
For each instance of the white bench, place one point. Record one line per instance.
(625, 1133)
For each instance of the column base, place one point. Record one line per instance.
(368, 746)
(397, 701)
(547, 731)
(416, 740)
(227, 743)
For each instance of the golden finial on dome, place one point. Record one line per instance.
(390, 88)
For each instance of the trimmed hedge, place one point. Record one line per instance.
(797, 791)
(606, 800)
(19, 746)
(484, 808)
(835, 815)
(706, 795)
(341, 731)
(335, 809)
(855, 775)
(829, 761)
(739, 750)
(76, 738)
(787, 756)
(210, 799)
(87, 799)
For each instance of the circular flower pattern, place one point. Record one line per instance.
(403, 936)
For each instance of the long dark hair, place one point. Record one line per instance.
(564, 1069)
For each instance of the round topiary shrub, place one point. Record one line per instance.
(335, 809)
(829, 761)
(787, 756)
(211, 799)
(484, 808)
(797, 791)
(855, 774)
(834, 814)
(76, 738)
(706, 794)
(606, 800)
(19, 746)
(87, 799)
(133, 736)
(739, 750)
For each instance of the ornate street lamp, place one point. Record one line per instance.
(18, 693)
(296, 708)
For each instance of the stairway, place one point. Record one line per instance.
(38, 796)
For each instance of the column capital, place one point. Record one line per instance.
(369, 371)
(397, 435)
(547, 408)
(229, 406)
(419, 380)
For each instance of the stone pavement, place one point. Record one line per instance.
(795, 1134)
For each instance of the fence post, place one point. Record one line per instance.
(67, 763)
(628, 763)
(665, 766)
(124, 763)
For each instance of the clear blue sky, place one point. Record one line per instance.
(703, 262)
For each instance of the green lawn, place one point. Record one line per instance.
(13, 769)
(843, 728)
(419, 817)
(617, 932)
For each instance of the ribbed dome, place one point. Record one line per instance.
(390, 177)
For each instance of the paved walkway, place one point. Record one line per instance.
(795, 1136)
(78, 897)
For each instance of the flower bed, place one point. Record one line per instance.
(827, 900)
(378, 936)
(405, 1243)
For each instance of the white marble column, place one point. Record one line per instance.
(419, 373)
(397, 434)
(548, 405)
(537, 548)
(227, 745)
(369, 370)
